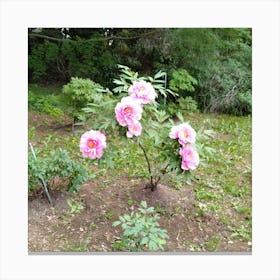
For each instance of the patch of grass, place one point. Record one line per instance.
(110, 215)
(192, 246)
(31, 132)
(81, 246)
(118, 246)
(160, 209)
(225, 220)
(93, 226)
(213, 244)
(242, 233)
(232, 189)
(227, 176)
(130, 202)
(202, 194)
(47, 100)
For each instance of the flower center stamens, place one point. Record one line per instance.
(127, 110)
(91, 144)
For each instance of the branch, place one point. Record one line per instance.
(148, 163)
(34, 35)
(47, 37)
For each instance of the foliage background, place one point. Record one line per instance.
(218, 59)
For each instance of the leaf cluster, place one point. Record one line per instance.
(182, 81)
(100, 111)
(78, 92)
(183, 104)
(75, 206)
(57, 165)
(127, 77)
(141, 230)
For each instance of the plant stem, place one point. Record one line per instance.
(149, 166)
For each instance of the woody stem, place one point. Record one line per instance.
(148, 164)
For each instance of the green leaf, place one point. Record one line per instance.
(152, 245)
(127, 217)
(116, 223)
(143, 204)
(159, 74)
(180, 116)
(144, 241)
(121, 219)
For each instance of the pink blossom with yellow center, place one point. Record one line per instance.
(143, 91)
(134, 129)
(92, 144)
(190, 157)
(184, 132)
(128, 111)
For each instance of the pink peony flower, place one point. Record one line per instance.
(92, 144)
(128, 111)
(143, 91)
(190, 158)
(134, 129)
(184, 132)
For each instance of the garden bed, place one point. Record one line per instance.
(212, 214)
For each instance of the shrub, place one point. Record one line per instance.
(140, 103)
(182, 81)
(78, 92)
(186, 105)
(57, 165)
(141, 230)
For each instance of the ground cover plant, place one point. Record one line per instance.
(202, 204)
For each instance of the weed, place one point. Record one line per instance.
(118, 246)
(93, 226)
(81, 246)
(242, 232)
(193, 247)
(109, 215)
(212, 244)
(202, 194)
(75, 206)
(130, 202)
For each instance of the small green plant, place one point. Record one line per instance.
(192, 247)
(109, 215)
(77, 93)
(81, 246)
(130, 202)
(212, 244)
(57, 165)
(141, 230)
(75, 206)
(31, 132)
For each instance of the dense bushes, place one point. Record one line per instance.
(220, 60)
(213, 65)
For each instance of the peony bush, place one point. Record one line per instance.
(139, 116)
